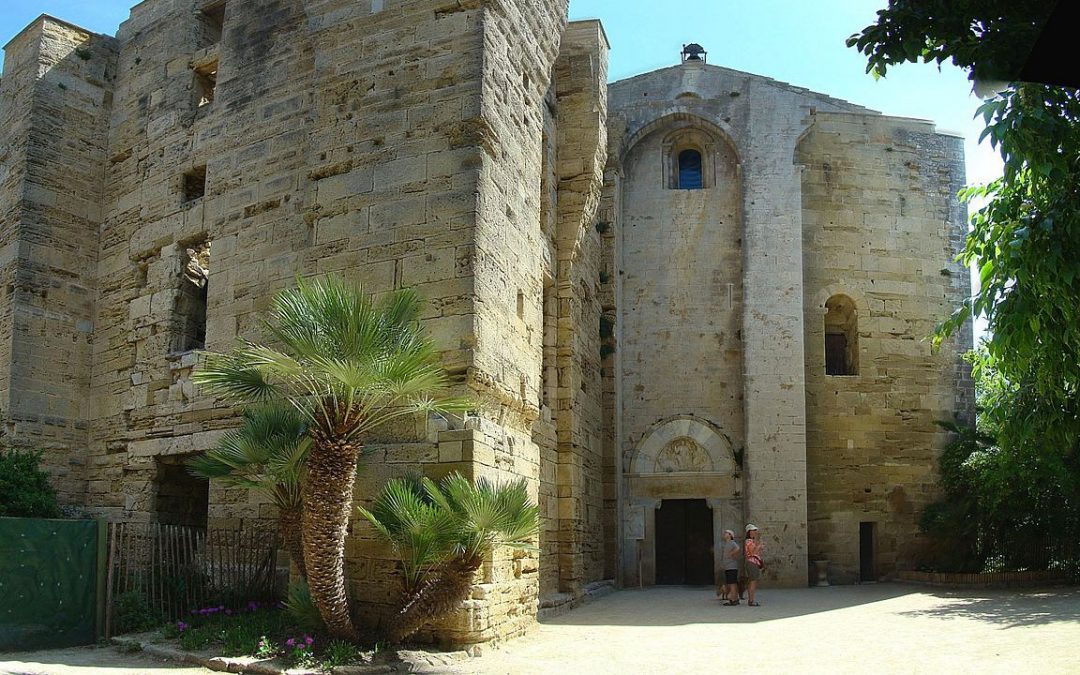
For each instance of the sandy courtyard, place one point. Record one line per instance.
(884, 628)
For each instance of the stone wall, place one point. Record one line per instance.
(881, 225)
(387, 140)
(742, 374)
(54, 107)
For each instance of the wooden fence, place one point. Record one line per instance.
(172, 569)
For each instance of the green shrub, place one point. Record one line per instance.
(199, 637)
(339, 653)
(302, 609)
(25, 491)
(133, 614)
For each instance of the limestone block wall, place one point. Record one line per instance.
(387, 141)
(754, 232)
(55, 100)
(881, 225)
(581, 97)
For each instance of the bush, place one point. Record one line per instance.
(25, 491)
(134, 614)
(339, 653)
(302, 609)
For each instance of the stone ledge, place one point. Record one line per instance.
(560, 603)
(400, 661)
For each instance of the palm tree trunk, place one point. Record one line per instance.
(289, 521)
(328, 497)
(438, 595)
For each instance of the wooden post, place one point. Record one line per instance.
(109, 581)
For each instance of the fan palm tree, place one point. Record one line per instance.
(442, 534)
(266, 453)
(348, 364)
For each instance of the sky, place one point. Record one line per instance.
(796, 41)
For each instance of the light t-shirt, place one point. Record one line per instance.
(731, 563)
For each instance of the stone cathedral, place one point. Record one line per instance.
(685, 301)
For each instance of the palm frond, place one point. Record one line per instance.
(266, 453)
(233, 378)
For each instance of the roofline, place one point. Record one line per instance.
(599, 23)
(765, 78)
(49, 17)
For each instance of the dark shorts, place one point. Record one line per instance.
(731, 576)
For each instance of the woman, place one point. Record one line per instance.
(754, 563)
(730, 558)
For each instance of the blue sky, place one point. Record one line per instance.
(796, 41)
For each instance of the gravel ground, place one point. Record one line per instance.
(90, 661)
(883, 628)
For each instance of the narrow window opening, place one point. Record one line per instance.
(867, 568)
(841, 337)
(690, 170)
(213, 21)
(194, 184)
(521, 304)
(205, 86)
(190, 319)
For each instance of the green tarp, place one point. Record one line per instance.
(48, 583)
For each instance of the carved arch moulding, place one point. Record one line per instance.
(683, 444)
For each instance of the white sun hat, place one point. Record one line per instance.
(751, 526)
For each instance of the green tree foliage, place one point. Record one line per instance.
(442, 534)
(348, 363)
(1025, 242)
(25, 491)
(267, 454)
(1003, 502)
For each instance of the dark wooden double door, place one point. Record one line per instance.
(684, 543)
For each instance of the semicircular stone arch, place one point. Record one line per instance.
(677, 120)
(683, 444)
(856, 296)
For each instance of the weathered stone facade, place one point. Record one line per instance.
(629, 342)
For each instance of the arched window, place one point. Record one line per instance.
(841, 336)
(690, 177)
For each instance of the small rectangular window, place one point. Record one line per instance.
(194, 186)
(836, 354)
(213, 21)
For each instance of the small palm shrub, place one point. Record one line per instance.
(302, 609)
(350, 364)
(267, 454)
(442, 533)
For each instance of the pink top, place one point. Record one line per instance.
(752, 547)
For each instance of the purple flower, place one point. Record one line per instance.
(181, 626)
(228, 612)
(252, 605)
(290, 642)
(308, 640)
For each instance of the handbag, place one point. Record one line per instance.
(756, 561)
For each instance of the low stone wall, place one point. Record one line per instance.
(1037, 578)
